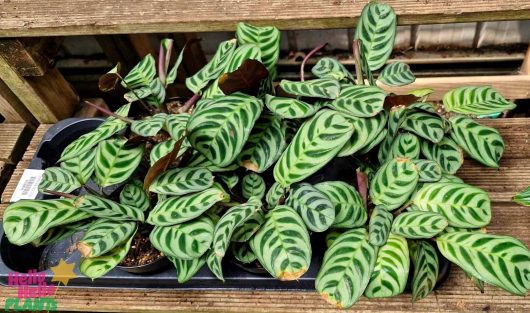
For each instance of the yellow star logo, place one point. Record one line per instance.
(63, 272)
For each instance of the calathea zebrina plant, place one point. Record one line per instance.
(247, 169)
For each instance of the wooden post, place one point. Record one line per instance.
(31, 56)
(525, 67)
(48, 97)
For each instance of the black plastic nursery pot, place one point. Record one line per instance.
(158, 274)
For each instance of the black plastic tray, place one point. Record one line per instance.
(21, 259)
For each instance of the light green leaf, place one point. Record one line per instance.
(476, 101)
(498, 260)
(396, 74)
(149, 126)
(350, 211)
(313, 206)
(365, 132)
(377, 30)
(418, 224)
(429, 171)
(425, 125)
(482, 143)
(253, 185)
(461, 204)
(230, 179)
(186, 241)
(267, 38)
(141, 75)
(245, 231)
(186, 269)
(282, 244)
(379, 227)
(326, 88)
(58, 179)
(181, 209)
(101, 265)
(133, 194)
(242, 252)
(81, 166)
(275, 195)
(175, 125)
(405, 145)
(264, 145)
(105, 208)
(523, 197)
(115, 161)
(58, 233)
(104, 235)
(393, 183)
(359, 101)
(426, 268)
(446, 153)
(27, 220)
(290, 108)
(317, 142)
(220, 129)
(346, 268)
(331, 68)
(391, 270)
(182, 181)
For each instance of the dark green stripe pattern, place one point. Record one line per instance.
(446, 153)
(290, 108)
(58, 179)
(101, 265)
(133, 194)
(182, 181)
(379, 226)
(253, 185)
(104, 235)
(426, 267)
(81, 166)
(150, 125)
(313, 206)
(429, 171)
(115, 161)
(523, 197)
(418, 224)
(476, 101)
(101, 207)
(350, 211)
(359, 101)
(326, 88)
(396, 74)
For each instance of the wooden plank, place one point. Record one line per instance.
(510, 86)
(49, 98)
(61, 17)
(441, 36)
(30, 56)
(12, 109)
(14, 138)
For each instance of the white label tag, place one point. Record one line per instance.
(27, 187)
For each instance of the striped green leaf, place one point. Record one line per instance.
(350, 211)
(115, 161)
(418, 224)
(498, 260)
(275, 195)
(422, 106)
(391, 270)
(142, 74)
(229, 222)
(27, 220)
(105, 208)
(175, 125)
(58, 233)
(332, 235)
(523, 197)
(482, 143)
(58, 179)
(137, 94)
(264, 145)
(214, 264)
(346, 269)
(290, 108)
(377, 140)
(426, 267)
(282, 244)
(317, 211)
(461, 204)
(451, 229)
(379, 226)
(89, 140)
(396, 116)
(476, 101)
(253, 185)
(104, 235)
(425, 125)
(326, 88)
(446, 153)
(149, 126)
(186, 241)
(331, 68)
(164, 148)
(377, 30)
(158, 93)
(365, 131)
(230, 179)
(318, 140)
(172, 74)
(101, 265)
(213, 69)
(186, 269)
(182, 181)
(405, 145)
(181, 209)
(267, 38)
(245, 231)
(81, 166)
(396, 74)
(133, 194)
(219, 130)
(199, 160)
(429, 171)
(359, 100)
(393, 183)
(242, 252)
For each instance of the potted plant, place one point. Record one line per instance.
(237, 170)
